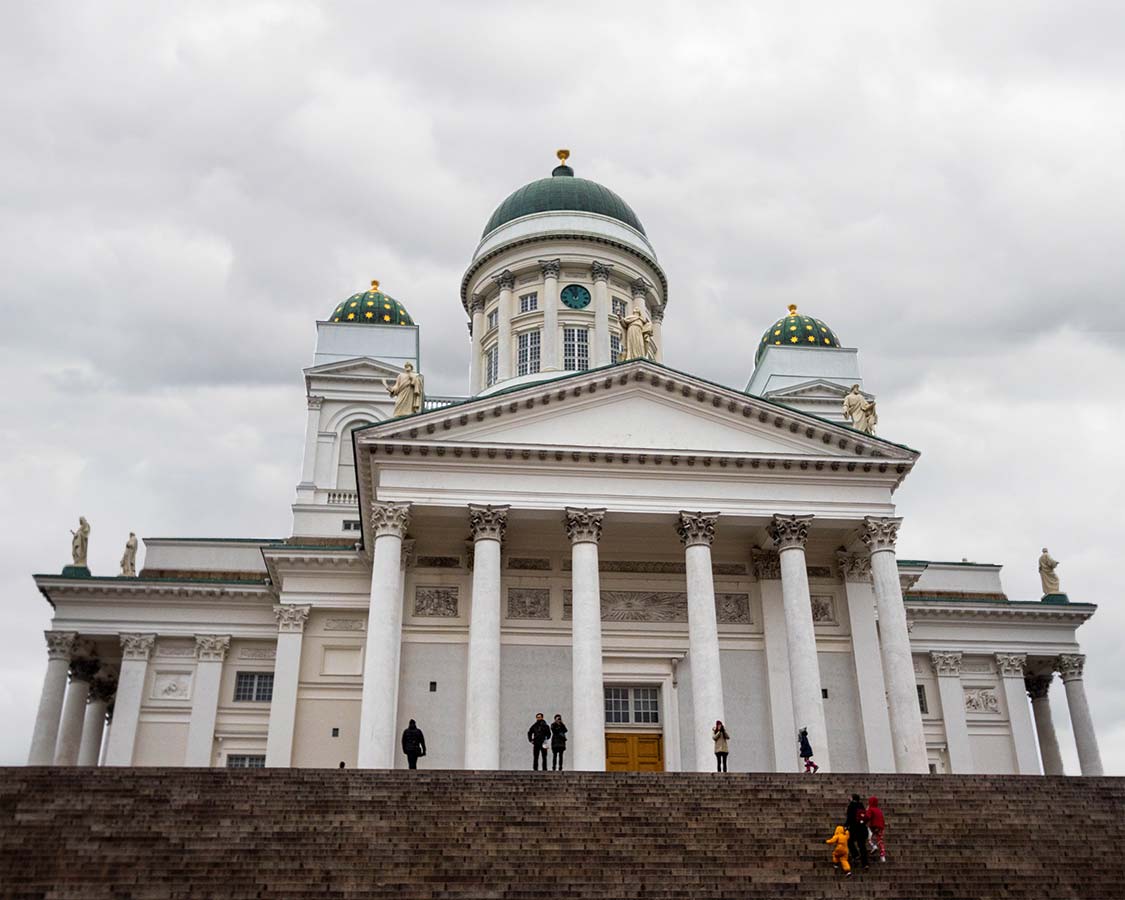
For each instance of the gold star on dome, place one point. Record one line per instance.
(351, 315)
(793, 339)
(791, 327)
(368, 314)
(386, 318)
(353, 303)
(778, 331)
(827, 341)
(812, 339)
(370, 302)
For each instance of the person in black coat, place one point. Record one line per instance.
(558, 743)
(413, 744)
(537, 735)
(856, 824)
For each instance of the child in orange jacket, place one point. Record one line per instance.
(840, 851)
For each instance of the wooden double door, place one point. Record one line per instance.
(634, 751)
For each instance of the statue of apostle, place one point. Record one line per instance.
(129, 557)
(638, 336)
(80, 543)
(1047, 574)
(407, 391)
(860, 411)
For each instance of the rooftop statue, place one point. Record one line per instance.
(407, 391)
(1047, 574)
(129, 557)
(860, 411)
(638, 336)
(80, 542)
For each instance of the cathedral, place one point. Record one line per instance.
(589, 532)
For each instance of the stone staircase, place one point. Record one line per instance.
(156, 833)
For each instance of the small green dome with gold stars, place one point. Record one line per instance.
(371, 307)
(795, 330)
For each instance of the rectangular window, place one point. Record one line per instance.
(493, 319)
(615, 348)
(632, 706)
(351, 525)
(244, 761)
(576, 349)
(491, 366)
(646, 705)
(529, 302)
(620, 307)
(616, 704)
(922, 704)
(253, 687)
(528, 353)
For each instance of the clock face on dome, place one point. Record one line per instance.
(575, 296)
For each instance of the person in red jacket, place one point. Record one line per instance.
(875, 825)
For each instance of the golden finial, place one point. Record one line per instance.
(563, 156)
(792, 309)
(374, 285)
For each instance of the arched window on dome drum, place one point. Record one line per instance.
(527, 355)
(576, 349)
(345, 471)
(491, 366)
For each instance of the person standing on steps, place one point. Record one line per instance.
(558, 744)
(856, 825)
(806, 751)
(413, 744)
(722, 746)
(875, 824)
(537, 736)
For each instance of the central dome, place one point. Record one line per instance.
(563, 191)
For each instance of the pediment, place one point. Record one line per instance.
(638, 406)
(363, 367)
(816, 389)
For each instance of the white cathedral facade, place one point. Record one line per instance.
(628, 545)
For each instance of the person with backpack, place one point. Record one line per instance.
(722, 746)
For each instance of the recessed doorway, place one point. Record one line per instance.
(634, 751)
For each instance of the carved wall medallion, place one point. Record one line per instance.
(529, 603)
(982, 700)
(343, 624)
(171, 686)
(823, 609)
(435, 602)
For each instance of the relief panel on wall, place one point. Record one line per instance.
(664, 606)
(435, 602)
(171, 686)
(529, 603)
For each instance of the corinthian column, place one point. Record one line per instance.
(60, 644)
(102, 689)
(287, 669)
(506, 280)
(83, 667)
(379, 704)
(789, 534)
(482, 699)
(135, 651)
(600, 272)
(1038, 687)
(210, 651)
(476, 332)
(880, 534)
(697, 531)
(1070, 666)
(584, 528)
(549, 361)
(947, 664)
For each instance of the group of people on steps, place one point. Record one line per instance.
(861, 837)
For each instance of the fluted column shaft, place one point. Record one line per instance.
(947, 664)
(135, 651)
(379, 704)
(1038, 687)
(909, 739)
(210, 651)
(46, 732)
(789, 534)
(482, 696)
(476, 311)
(697, 531)
(1070, 666)
(549, 347)
(507, 281)
(587, 726)
(82, 669)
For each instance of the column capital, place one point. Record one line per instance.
(291, 619)
(487, 522)
(550, 267)
(853, 566)
(765, 564)
(390, 519)
(946, 662)
(211, 647)
(696, 528)
(789, 532)
(880, 532)
(1011, 665)
(1038, 685)
(506, 280)
(600, 270)
(315, 402)
(476, 304)
(1070, 666)
(406, 557)
(583, 526)
(60, 644)
(639, 287)
(657, 313)
(137, 646)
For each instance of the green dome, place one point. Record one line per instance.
(371, 307)
(563, 192)
(795, 330)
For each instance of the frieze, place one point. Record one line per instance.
(258, 653)
(529, 564)
(529, 603)
(435, 602)
(663, 607)
(977, 667)
(175, 650)
(818, 571)
(438, 562)
(343, 624)
(982, 700)
(823, 609)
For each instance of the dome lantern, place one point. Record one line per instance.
(371, 307)
(796, 330)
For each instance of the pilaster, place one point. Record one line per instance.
(135, 652)
(291, 621)
(1011, 667)
(947, 665)
(210, 651)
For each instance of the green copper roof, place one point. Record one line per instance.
(371, 307)
(563, 192)
(795, 330)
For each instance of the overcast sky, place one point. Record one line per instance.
(185, 189)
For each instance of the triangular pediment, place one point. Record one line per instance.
(358, 367)
(638, 406)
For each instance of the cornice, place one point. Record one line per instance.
(55, 586)
(281, 561)
(1076, 613)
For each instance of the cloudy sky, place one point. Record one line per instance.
(185, 189)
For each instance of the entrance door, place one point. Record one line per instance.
(633, 751)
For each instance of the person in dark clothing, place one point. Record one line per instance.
(856, 825)
(558, 743)
(806, 751)
(413, 744)
(537, 735)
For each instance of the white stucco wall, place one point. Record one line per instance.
(533, 678)
(441, 713)
(746, 700)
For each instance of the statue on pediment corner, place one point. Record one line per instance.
(1047, 574)
(129, 557)
(860, 411)
(407, 392)
(80, 543)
